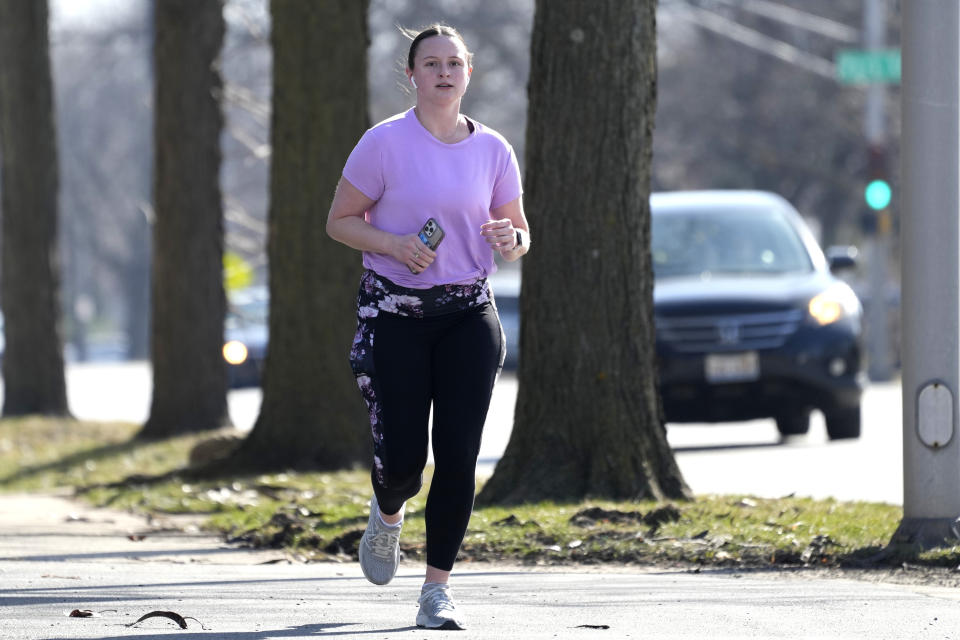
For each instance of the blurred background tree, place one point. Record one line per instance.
(588, 418)
(189, 305)
(311, 407)
(33, 359)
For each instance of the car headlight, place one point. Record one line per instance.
(833, 304)
(235, 352)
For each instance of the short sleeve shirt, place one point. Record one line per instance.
(413, 177)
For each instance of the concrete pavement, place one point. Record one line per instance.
(56, 556)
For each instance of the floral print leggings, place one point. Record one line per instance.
(415, 349)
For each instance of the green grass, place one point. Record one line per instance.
(320, 516)
(44, 453)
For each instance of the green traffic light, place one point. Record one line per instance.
(878, 194)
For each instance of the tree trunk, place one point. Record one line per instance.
(312, 414)
(189, 304)
(588, 416)
(33, 358)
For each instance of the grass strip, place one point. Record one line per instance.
(321, 516)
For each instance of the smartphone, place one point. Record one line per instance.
(431, 234)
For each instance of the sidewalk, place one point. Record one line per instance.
(57, 556)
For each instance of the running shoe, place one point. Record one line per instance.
(379, 548)
(437, 610)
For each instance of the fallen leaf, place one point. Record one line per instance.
(172, 615)
(662, 515)
(87, 613)
(593, 515)
(592, 626)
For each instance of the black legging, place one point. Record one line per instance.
(452, 361)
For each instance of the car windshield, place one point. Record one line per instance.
(726, 241)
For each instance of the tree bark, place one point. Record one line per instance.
(312, 414)
(33, 358)
(588, 417)
(189, 304)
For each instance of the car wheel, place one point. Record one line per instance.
(793, 424)
(843, 423)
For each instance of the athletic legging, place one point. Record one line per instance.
(414, 347)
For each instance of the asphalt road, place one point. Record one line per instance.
(747, 458)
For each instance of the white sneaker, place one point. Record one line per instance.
(379, 548)
(437, 610)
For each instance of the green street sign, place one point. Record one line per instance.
(856, 66)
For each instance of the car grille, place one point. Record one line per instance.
(696, 334)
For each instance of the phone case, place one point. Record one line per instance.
(431, 234)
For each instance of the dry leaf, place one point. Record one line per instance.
(592, 626)
(87, 613)
(172, 615)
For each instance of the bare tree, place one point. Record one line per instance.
(312, 414)
(735, 112)
(104, 140)
(189, 304)
(33, 359)
(588, 419)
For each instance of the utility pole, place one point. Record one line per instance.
(879, 366)
(930, 273)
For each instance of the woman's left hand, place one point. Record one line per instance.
(500, 235)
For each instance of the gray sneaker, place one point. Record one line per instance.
(437, 610)
(379, 548)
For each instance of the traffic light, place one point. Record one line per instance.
(878, 194)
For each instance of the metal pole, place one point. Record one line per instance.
(930, 239)
(878, 250)
(874, 39)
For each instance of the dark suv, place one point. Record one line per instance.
(750, 320)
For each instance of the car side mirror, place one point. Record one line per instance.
(842, 258)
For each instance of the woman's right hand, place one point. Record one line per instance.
(346, 223)
(412, 252)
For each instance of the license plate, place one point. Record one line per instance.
(732, 367)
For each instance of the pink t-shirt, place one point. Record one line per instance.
(414, 177)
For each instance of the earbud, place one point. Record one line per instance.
(413, 81)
